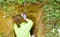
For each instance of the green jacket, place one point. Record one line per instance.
(24, 30)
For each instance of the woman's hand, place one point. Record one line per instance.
(23, 15)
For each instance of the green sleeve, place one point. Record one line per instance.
(24, 28)
(27, 27)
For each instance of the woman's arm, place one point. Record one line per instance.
(24, 28)
(27, 27)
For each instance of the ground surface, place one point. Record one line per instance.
(33, 12)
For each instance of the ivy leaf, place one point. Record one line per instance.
(58, 0)
(20, 1)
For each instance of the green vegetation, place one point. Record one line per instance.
(51, 12)
(51, 15)
(4, 4)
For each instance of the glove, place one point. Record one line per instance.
(23, 15)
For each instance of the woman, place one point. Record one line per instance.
(24, 26)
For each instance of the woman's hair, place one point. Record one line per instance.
(18, 19)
